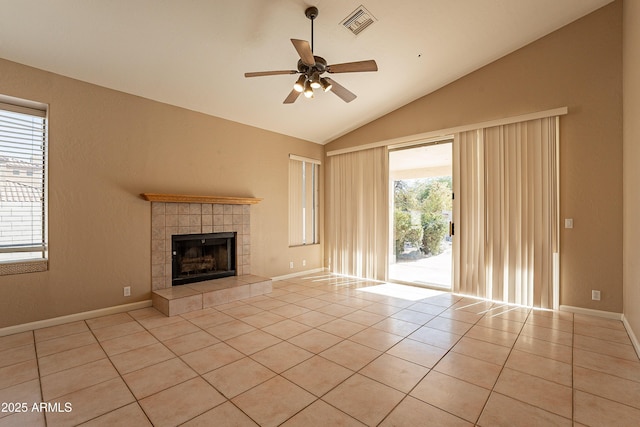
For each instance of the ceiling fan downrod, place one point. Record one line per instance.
(311, 13)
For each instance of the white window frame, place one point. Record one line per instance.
(304, 183)
(30, 255)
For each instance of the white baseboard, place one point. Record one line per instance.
(591, 312)
(299, 273)
(9, 330)
(632, 335)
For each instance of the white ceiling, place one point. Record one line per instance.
(193, 53)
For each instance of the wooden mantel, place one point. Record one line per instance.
(182, 198)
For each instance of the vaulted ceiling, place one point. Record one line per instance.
(194, 53)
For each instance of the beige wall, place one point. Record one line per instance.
(580, 67)
(106, 147)
(631, 167)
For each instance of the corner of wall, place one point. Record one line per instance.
(632, 335)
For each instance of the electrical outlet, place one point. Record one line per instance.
(304, 262)
(127, 291)
(291, 264)
(595, 295)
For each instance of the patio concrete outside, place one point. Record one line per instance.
(435, 270)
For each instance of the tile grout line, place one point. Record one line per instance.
(198, 375)
(83, 364)
(119, 375)
(201, 375)
(137, 401)
(530, 313)
(432, 368)
(316, 398)
(356, 372)
(451, 350)
(504, 364)
(35, 350)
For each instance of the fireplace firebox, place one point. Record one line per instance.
(199, 257)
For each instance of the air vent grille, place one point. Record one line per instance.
(359, 20)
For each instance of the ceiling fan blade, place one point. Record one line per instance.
(304, 51)
(343, 93)
(269, 73)
(353, 67)
(291, 98)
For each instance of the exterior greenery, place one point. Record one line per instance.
(420, 208)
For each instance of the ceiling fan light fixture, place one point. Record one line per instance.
(299, 84)
(324, 83)
(308, 90)
(315, 80)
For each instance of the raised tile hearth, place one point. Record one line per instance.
(197, 296)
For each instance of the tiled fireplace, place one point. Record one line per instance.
(177, 215)
(169, 219)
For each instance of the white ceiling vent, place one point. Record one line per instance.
(357, 21)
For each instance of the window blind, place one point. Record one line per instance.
(303, 200)
(23, 167)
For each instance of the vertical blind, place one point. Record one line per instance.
(507, 213)
(23, 165)
(469, 214)
(303, 200)
(357, 213)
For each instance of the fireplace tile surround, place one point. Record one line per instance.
(168, 219)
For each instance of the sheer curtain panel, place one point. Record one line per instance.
(357, 213)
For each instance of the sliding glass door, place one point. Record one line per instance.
(420, 180)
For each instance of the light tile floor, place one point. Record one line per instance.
(323, 350)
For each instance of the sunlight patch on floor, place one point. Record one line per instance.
(339, 280)
(411, 293)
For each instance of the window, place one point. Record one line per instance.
(23, 175)
(303, 200)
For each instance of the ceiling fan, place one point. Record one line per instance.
(311, 68)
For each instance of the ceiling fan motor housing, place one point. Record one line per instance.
(311, 12)
(320, 66)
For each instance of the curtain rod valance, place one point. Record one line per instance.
(304, 159)
(447, 133)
